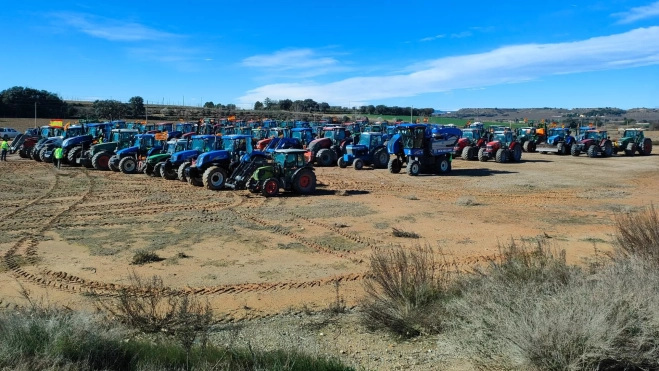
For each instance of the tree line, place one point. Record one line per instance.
(309, 105)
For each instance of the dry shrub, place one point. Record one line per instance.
(405, 290)
(637, 235)
(142, 257)
(152, 307)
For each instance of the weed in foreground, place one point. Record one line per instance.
(404, 234)
(637, 235)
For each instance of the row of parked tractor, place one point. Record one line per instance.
(269, 156)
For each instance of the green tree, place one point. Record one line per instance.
(258, 106)
(136, 106)
(324, 107)
(231, 107)
(110, 109)
(268, 103)
(19, 101)
(285, 104)
(209, 105)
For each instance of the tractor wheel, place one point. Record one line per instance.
(525, 146)
(324, 157)
(167, 174)
(482, 157)
(148, 170)
(444, 165)
(22, 152)
(73, 154)
(100, 161)
(34, 154)
(128, 165)
(42, 154)
(631, 149)
(358, 164)
(380, 158)
(592, 151)
(111, 163)
(562, 150)
(341, 163)
(575, 151)
(413, 168)
(394, 166)
(467, 153)
(531, 146)
(181, 171)
(156, 169)
(646, 147)
(214, 178)
(270, 187)
(607, 151)
(501, 156)
(517, 153)
(197, 182)
(87, 164)
(305, 182)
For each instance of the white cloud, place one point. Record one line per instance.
(508, 64)
(638, 13)
(303, 63)
(109, 29)
(461, 34)
(431, 38)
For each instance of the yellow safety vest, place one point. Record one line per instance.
(58, 153)
(4, 145)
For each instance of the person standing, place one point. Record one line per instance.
(58, 157)
(4, 147)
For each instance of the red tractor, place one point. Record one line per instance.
(594, 143)
(472, 140)
(502, 148)
(325, 151)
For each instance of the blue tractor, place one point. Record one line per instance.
(127, 160)
(212, 168)
(428, 149)
(304, 135)
(75, 146)
(370, 151)
(558, 141)
(174, 167)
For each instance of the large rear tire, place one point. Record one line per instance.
(562, 149)
(607, 151)
(517, 153)
(646, 147)
(324, 157)
(42, 154)
(181, 171)
(380, 158)
(73, 154)
(101, 161)
(128, 165)
(214, 178)
(467, 153)
(148, 170)
(394, 166)
(305, 182)
(575, 151)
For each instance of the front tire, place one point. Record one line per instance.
(214, 178)
(181, 171)
(482, 157)
(575, 151)
(501, 156)
(270, 188)
(592, 151)
(380, 158)
(394, 166)
(358, 164)
(413, 168)
(444, 166)
(341, 163)
(167, 174)
(324, 157)
(128, 165)
(73, 154)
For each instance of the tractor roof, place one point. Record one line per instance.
(412, 126)
(373, 133)
(237, 136)
(635, 129)
(292, 150)
(207, 136)
(124, 130)
(330, 128)
(295, 130)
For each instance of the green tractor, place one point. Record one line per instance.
(289, 170)
(154, 164)
(632, 141)
(98, 156)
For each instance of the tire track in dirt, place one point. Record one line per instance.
(48, 192)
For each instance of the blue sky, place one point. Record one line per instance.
(445, 55)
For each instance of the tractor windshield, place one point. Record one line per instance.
(591, 135)
(165, 127)
(203, 144)
(289, 160)
(304, 136)
(184, 128)
(148, 141)
(376, 128)
(236, 145)
(73, 132)
(376, 140)
(633, 134)
(181, 145)
(275, 133)
(122, 137)
(172, 147)
(335, 134)
(391, 130)
(93, 131)
(559, 132)
(468, 134)
(365, 139)
(501, 137)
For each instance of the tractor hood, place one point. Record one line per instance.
(110, 147)
(462, 143)
(552, 140)
(317, 144)
(356, 149)
(182, 156)
(72, 142)
(213, 156)
(127, 151)
(154, 159)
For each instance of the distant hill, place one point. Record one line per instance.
(506, 114)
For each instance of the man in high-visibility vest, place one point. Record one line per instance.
(4, 147)
(58, 157)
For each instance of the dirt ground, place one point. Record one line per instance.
(70, 235)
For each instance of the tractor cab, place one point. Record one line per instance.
(289, 170)
(503, 137)
(269, 124)
(370, 150)
(148, 127)
(237, 144)
(259, 133)
(225, 130)
(205, 143)
(304, 135)
(336, 134)
(185, 127)
(353, 127)
(412, 136)
(373, 128)
(165, 127)
(632, 141)
(123, 137)
(245, 130)
(595, 135)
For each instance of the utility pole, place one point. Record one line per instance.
(35, 113)
(146, 111)
(411, 112)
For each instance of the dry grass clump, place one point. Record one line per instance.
(405, 291)
(637, 235)
(142, 257)
(404, 234)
